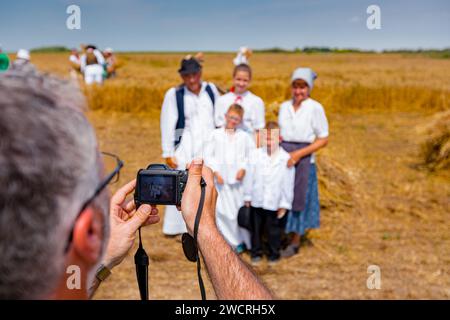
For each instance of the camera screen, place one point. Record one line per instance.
(158, 189)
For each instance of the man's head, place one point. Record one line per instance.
(49, 166)
(191, 73)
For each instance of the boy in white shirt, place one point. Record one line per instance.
(227, 155)
(269, 190)
(254, 113)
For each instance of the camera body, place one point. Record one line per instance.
(159, 184)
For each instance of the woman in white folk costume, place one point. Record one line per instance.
(187, 121)
(227, 155)
(254, 113)
(304, 130)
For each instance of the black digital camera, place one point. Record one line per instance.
(159, 184)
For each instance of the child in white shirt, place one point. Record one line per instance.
(227, 154)
(269, 190)
(254, 113)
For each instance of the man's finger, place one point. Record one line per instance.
(151, 220)
(208, 176)
(119, 197)
(130, 206)
(195, 173)
(141, 215)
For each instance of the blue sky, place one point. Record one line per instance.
(176, 25)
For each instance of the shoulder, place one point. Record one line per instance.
(171, 92)
(213, 87)
(217, 132)
(225, 97)
(254, 97)
(285, 105)
(242, 134)
(315, 105)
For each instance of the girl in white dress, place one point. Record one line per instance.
(254, 113)
(227, 155)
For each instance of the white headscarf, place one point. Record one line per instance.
(306, 74)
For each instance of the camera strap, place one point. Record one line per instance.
(190, 248)
(142, 261)
(190, 244)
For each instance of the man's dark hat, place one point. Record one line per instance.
(189, 66)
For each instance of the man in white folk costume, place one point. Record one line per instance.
(187, 121)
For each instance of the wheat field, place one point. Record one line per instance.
(383, 203)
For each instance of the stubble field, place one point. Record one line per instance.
(384, 177)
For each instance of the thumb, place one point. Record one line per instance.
(195, 172)
(140, 217)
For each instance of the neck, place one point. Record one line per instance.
(299, 102)
(230, 130)
(240, 93)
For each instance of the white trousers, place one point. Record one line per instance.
(93, 73)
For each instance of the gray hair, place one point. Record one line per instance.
(48, 167)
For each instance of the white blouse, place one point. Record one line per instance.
(306, 124)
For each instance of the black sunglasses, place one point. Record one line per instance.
(111, 178)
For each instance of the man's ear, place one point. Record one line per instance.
(88, 236)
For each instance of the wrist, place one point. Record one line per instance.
(109, 262)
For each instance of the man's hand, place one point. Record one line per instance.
(240, 175)
(281, 212)
(219, 178)
(172, 162)
(125, 220)
(191, 197)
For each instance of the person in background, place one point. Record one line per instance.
(22, 61)
(227, 155)
(269, 190)
(4, 60)
(92, 62)
(254, 111)
(187, 121)
(304, 130)
(75, 63)
(242, 56)
(110, 65)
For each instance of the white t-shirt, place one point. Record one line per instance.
(199, 122)
(254, 113)
(306, 124)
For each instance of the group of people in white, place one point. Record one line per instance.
(268, 167)
(94, 65)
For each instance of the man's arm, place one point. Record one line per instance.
(232, 279)
(230, 276)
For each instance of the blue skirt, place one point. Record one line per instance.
(309, 218)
